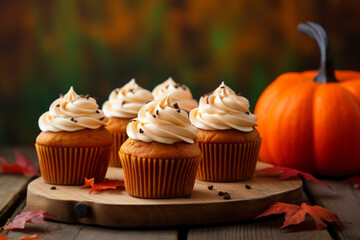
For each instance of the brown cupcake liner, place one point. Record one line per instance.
(119, 139)
(69, 166)
(228, 162)
(159, 178)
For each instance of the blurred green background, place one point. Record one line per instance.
(96, 46)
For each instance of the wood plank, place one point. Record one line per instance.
(115, 208)
(344, 201)
(63, 231)
(264, 228)
(13, 186)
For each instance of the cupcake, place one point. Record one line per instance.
(74, 143)
(160, 158)
(227, 138)
(123, 104)
(180, 93)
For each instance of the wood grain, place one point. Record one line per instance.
(13, 186)
(116, 208)
(344, 201)
(263, 228)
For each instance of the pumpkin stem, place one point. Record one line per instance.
(326, 70)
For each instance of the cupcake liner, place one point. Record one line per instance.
(228, 162)
(69, 166)
(119, 139)
(159, 178)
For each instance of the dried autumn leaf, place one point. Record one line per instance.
(286, 173)
(354, 180)
(106, 184)
(22, 165)
(88, 183)
(295, 214)
(28, 217)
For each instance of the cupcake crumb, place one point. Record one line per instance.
(247, 186)
(211, 187)
(53, 188)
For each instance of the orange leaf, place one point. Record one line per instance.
(88, 183)
(21, 165)
(286, 173)
(295, 214)
(27, 217)
(354, 180)
(107, 184)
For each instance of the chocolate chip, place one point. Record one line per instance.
(97, 111)
(58, 105)
(211, 187)
(247, 186)
(154, 116)
(53, 188)
(178, 110)
(176, 106)
(141, 131)
(227, 196)
(101, 118)
(220, 193)
(157, 112)
(247, 113)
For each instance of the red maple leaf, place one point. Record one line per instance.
(286, 173)
(295, 214)
(21, 165)
(106, 184)
(27, 217)
(354, 180)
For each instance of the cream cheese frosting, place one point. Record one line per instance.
(72, 112)
(180, 93)
(162, 121)
(223, 109)
(126, 102)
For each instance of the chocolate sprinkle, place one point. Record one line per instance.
(132, 120)
(247, 113)
(101, 118)
(157, 112)
(222, 87)
(141, 131)
(176, 106)
(74, 120)
(87, 96)
(58, 105)
(178, 110)
(154, 116)
(53, 188)
(227, 196)
(207, 99)
(247, 186)
(97, 111)
(211, 187)
(220, 193)
(148, 102)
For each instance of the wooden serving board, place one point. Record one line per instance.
(115, 208)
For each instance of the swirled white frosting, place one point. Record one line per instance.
(180, 93)
(71, 113)
(162, 121)
(223, 109)
(126, 102)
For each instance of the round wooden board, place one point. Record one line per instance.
(115, 208)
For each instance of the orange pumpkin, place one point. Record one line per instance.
(311, 120)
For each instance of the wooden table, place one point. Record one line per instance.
(344, 201)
